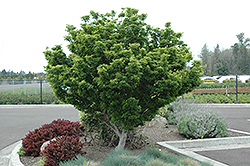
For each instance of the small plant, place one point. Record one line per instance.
(176, 110)
(122, 158)
(34, 139)
(79, 160)
(188, 162)
(41, 162)
(21, 152)
(63, 148)
(157, 162)
(202, 124)
(163, 111)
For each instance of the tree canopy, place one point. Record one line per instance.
(234, 60)
(121, 70)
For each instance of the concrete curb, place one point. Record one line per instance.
(9, 156)
(189, 147)
(14, 158)
(191, 154)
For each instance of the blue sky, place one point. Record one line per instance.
(27, 27)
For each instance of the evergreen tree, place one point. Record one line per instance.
(206, 59)
(216, 59)
(121, 70)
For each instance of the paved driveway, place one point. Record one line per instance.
(16, 121)
(237, 116)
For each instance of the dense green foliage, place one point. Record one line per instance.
(217, 98)
(120, 69)
(222, 98)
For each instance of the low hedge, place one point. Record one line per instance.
(194, 121)
(202, 124)
(47, 98)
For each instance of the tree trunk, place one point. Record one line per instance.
(122, 140)
(122, 134)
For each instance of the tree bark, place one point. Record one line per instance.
(122, 140)
(121, 134)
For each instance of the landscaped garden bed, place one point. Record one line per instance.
(156, 130)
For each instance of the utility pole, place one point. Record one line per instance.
(41, 91)
(236, 88)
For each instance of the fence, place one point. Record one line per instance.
(29, 87)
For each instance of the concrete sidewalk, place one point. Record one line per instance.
(9, 156)
(215, 151)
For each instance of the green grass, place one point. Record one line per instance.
(47, 98)
(217, 98)
(152, 157)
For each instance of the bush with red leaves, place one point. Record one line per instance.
(62, 149)
(34, 139)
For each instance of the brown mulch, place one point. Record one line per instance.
(154, 133)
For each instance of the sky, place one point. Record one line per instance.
(27, 27)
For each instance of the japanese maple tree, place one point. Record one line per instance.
(121, 70)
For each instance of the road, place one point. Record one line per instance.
(236, 116)
(16, 121)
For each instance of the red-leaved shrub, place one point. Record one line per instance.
(34, 139)
(62, 149)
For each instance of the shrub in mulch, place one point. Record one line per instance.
(62, 149)
(33, 141)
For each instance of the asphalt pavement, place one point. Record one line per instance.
(17, 120)
(232, 157)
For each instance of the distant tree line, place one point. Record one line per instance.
(10, 75)
(234, 60)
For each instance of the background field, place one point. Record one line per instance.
(28, 92)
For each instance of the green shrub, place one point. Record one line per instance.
(202, 124)
(157, 162)
(122, 158)
(176, 110)
(163, 111)
(152, 154)
(41, 162)
(79, 160)
(151, 157)
(188, 162)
